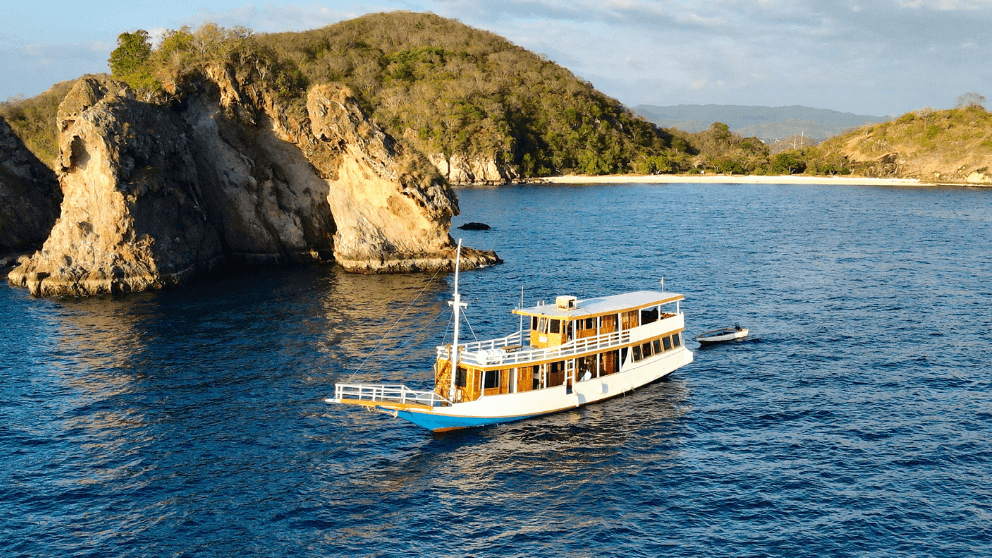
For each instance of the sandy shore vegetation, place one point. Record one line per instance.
(731, 179)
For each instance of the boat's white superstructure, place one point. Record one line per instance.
(575, 352)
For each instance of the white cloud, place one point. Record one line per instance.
(866, 56)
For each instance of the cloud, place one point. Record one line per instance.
(271, 17)
(867, 56)
(28, 69)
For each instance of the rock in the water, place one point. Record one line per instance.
(155, 194)
(475, 227)
(29, 195)
(132, 217)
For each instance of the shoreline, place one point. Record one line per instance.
(743, 179)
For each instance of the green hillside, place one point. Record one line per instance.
(930, 145)
(442, 86)
(34, 120)
(446, 88)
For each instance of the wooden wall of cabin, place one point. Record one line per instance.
(525, 378)
(472, 388)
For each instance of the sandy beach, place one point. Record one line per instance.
(728, 179)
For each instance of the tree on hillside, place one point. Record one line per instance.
(971, 100)
(129, 62)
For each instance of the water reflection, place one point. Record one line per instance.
(574, 441)
(383, 327)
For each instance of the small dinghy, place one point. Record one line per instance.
(722, 335)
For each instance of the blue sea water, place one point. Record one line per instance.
(856, 420)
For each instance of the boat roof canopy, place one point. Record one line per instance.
(591, 307)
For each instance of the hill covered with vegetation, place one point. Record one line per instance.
(442, 86)
(436, 84)
(448, 89)
(952, 145)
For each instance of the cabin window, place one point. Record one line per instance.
(590, 323)
(657, 346)
(608, 324)
(629, 319)
(460, 378)
(491, 379)
(623, 355)
(555, 326)
(533, 323)
(649, 315)
(586, 365)
(668, 343)
(556, 374)
(646, 349)
(677, 339)
(636, 352)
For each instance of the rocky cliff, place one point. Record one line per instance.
(459, 169)
(133, 217)
(156, 193)
(29, 197)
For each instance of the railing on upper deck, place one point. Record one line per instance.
(509, 350)
(512, 340)
(392, 393)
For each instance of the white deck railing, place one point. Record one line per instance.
(509, 341)
(494, 352)
(388, 393)
(493, 356)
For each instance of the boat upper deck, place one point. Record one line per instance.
(592, 307)
(573, 327)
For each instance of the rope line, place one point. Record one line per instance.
(386, 335)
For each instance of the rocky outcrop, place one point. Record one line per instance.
(392, 209)
(262, 194)
(29, 197)
(155, 194)
(459, 169)
(133, 216)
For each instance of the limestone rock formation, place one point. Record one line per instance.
(132, 216)
(29, 197)
(261, 192)
(391, 207)
(459, 169)
(155, 193)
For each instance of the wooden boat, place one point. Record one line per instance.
(722, 335)
(573, 353)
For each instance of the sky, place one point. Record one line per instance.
(868, 57)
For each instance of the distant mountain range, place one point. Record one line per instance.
(767, 123)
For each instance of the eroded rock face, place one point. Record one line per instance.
(133, 216)
(29, 196)
(459, 169)
(155, 195)
(392, 209)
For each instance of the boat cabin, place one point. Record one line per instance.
(570, 341)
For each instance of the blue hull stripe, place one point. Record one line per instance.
(432, 421)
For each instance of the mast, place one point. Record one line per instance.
(457, 304)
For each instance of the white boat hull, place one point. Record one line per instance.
(496, 409)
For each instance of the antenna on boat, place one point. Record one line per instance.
(662, 283)
(521, 315)
(457, 304)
